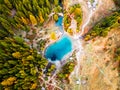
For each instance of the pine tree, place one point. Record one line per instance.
(17, 20)
(35, 5)
(56, 2)
(20, 14)
(25, 11)
(29, 7)
(34, 2)
(19, 5)
(48, 3)
(8, 28)
(5, 10)
(57, 9)
(3, 33)
(12, 22)
(7, 2)
(41, 2)
(47, 10)
(27, 4)
(3, 19)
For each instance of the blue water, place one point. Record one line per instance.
(59, 49)
(59, 23)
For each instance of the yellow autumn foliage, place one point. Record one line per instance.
(6, 88)
(33, 71)
(77, 31)
(70, 31)
(34, 86)
(55, 16)
(18, 25)
(16, 55)
(87, 37)
(23, 61)
(77, 11)
(5, 83)
(22, 72)
(53, 36)
(24, 20)
(9, 81)
(67, 25)
(66, 75)
(30, 57)
(41, 19)
(33, 20)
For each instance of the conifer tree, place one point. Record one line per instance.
(17, 19)
(41, 19)
(7, 27)
(7, 2)
(53, 36)
(19, 4)
(24, 10)
(3, 19)
(48, 3)
(4, 9)
(29, 7)
(56, 2)
(77, 11)
(41, 2)
(33, 20)
(27, 4)
(20, 14)
(24, 20)
(3, 33)
(55, 17)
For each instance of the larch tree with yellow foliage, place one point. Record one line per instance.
(24, 20)
(70, 31)
(16, 55)
(33, 20)
(8, 81)
(53, 36)
(77, 11)
(34, 86)
(41, 18)
(55, 16)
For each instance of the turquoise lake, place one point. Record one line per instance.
(59, 49)
(59, 24)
